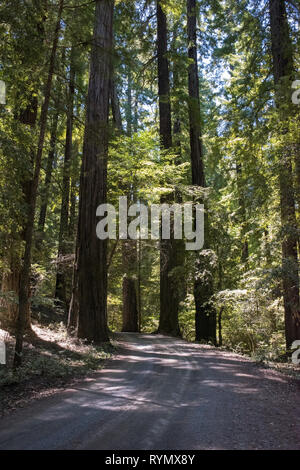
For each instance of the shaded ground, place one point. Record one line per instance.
(164, 393)
(52, 360)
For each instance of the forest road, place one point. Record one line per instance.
(164, 393)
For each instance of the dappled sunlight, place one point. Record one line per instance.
(155, 387)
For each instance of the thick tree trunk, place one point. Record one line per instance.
(89, 300)
(168, 320)
(283, 76)
(63, 241)
(26, 267)
(130, 307)
(115, 106)
(165, 123)
(205, 316)
(130, 304)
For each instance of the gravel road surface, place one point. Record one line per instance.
(164, 393)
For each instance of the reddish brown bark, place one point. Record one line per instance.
(205, 316)
(88, 307)
(169, 301)
(283, 76)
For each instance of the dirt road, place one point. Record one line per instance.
(163, 393)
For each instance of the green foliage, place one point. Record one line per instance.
(58, 357)
(243, 139)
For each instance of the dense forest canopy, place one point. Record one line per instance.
(168, 102)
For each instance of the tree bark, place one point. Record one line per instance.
(115, 106)
(89, 300)
(168, 320)
(10, 287)
(130, 304)
(205, 316)
(283, 76)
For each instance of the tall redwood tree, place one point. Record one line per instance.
(205, 316)
(88, 309)
(169, 301)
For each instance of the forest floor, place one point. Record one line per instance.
(164, 393)
(52, 360)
